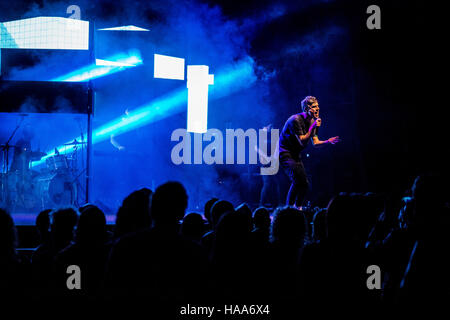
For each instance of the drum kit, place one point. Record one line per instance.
(24, 188)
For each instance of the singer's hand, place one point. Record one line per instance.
(317, 123)
(334, 140)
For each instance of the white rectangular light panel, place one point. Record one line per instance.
(167, 67)
(45, 33)
(198, 81)
(124, 28)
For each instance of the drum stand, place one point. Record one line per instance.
(4, 192)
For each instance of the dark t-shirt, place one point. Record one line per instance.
(290, 142)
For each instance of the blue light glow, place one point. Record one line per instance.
(102, 68)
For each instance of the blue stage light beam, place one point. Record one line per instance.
(101, 68)
(63, 149)
(230, 80)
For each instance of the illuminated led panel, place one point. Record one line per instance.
(45, 33)
(198, 81)
(124, 28)
(167, 67)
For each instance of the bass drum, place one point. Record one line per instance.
(57, 190)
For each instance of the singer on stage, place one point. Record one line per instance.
(295, 136)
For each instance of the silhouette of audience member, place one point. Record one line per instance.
(386, 221)
(319, 231)
(158, 264)
(219, 208)
(246, 213)
(288, 227)
(89, 251)
(259, 238)
(232, 256)
(367, 212)
(288, 233)
(61, 235)
(193, 227)
(13, 268)
(427, 226)
(134, 214)
(43, 225)
(207, 210)
(415, 216)
(108, 234)
(334, 270)
(62, 228)
(261, 227)
(43, 230)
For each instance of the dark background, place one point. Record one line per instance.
(377, 88)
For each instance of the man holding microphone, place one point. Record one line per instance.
(298, 130)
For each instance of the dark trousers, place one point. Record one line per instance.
(299, 182)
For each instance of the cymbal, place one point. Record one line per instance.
(74, 142)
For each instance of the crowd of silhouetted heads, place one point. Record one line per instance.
(157, 253)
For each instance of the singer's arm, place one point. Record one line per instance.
(318, 143)
(304, 137)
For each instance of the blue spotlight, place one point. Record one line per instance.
(102, 68)
(233, 78)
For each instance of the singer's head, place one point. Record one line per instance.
(310, 105)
